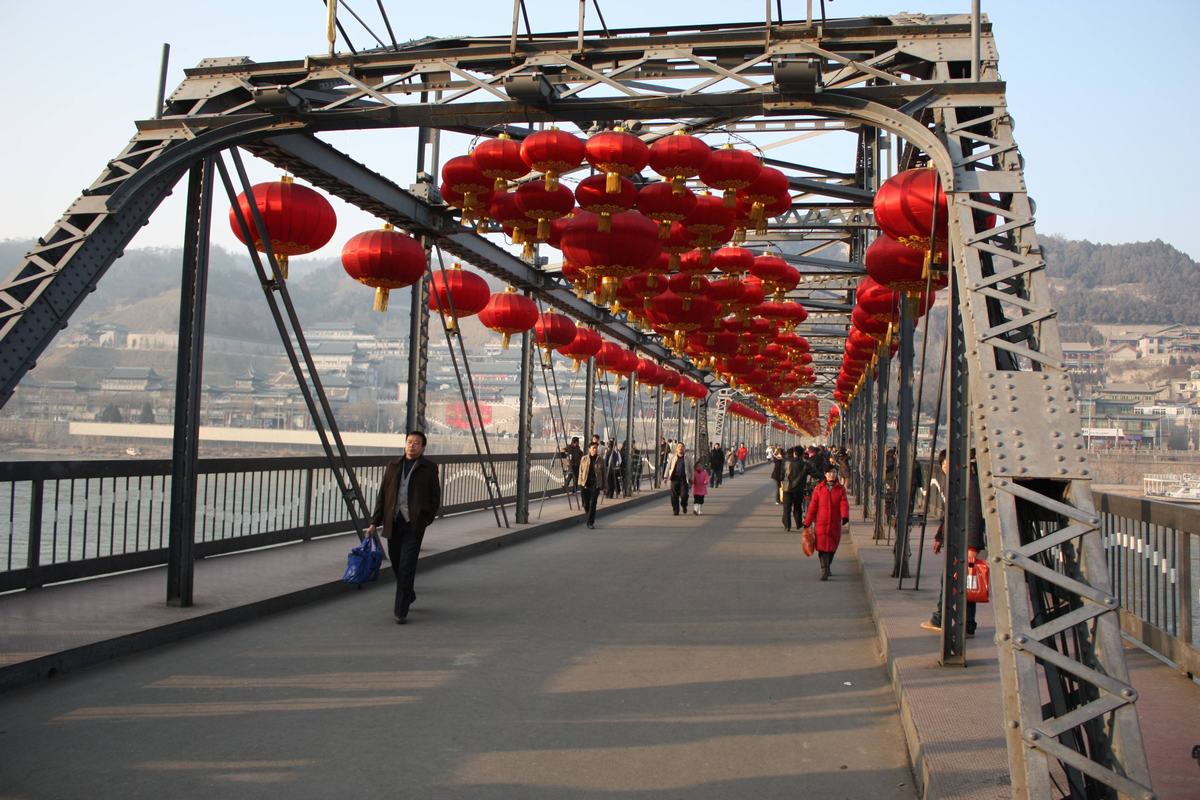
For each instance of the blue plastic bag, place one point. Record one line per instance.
(363, 561)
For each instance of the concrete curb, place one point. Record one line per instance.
(55, 664)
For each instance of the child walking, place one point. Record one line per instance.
(699, 489)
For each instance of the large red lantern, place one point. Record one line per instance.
(786, 314)
(874, 327)
(729, 169)
(298, 219)
(500, 159)
(672, 314)
(663, 204)
(616, 153)
(762, 191)
(678, 157)
(725, 291)
(457, 293)
(777, 276)
(710, 224)
(592, 196)
(648, 373)
(511, 218)
(507, 313)
(585, 345)
(383, 259)
(616, 359)
(904, 207)
(554, 331)
(876, 299)
(542, 204)
(732, 260)
(552, 152)
(464, 178)
(900, 268)
(627, 248)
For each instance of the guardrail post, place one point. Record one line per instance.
(1183, 563)
(525, 427)
(308, 498)
(33, 557)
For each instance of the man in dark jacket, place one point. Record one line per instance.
(574, 456)
(409, 499)
(591, 478)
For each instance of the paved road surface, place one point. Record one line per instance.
(654, 657)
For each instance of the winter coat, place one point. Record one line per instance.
(424, 495)
(777, 469)
(742, 452)
(700, 483)
(600, 472)
(689, 467)
(827, 508)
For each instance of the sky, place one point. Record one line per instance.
(1098, 90)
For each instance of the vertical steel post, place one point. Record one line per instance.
(905, 435)
(627, 462)
(162, 80)
(883, 370)
(864, 452)
(589, 401)
(954, 577)
(679, 419)
(418, 351)
(193, 293)
(524, 427)
(658, 435)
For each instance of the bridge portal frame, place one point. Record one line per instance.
(919, 77)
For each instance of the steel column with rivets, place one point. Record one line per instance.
(906, 445)
(524, 427)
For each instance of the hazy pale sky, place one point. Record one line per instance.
(1103, 94)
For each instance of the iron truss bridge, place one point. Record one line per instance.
(913, 89)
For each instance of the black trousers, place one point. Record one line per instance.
(793, 510)
(590, 497)
(679, 495)
(403, 549)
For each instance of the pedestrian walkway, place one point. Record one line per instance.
(658, 655)
(47, 632)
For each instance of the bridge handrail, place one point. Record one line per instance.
(64, 520)
(1152, 560)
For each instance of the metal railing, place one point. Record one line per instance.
(1152, 559)
(64, 520)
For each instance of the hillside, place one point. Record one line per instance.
(1138, 283)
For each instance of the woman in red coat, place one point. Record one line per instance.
(830, 510)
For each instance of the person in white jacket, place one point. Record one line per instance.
(679, 474)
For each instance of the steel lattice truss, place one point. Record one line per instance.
(907, 75)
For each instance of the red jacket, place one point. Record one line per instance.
(828, 507)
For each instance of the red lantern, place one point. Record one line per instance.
(648, 373)
(777, 275)
(729, 170)
(725, 291)
(616, 153)
(555, 331)
(687, 285)
(679, 157)
(464, 178)
(507, 313)
(676, 315)
(642, 286)
(552, 152)
(543, 205)
(500, 159)
(876, 299)
(710, 224)
(627, 248)
(785, 314)
(457, 293)
(520, 228)
(385, 260)
(298, 220)
(663, 204)
(872, 326)
(732, 260)
(616, 359)
(900, 268)
(592, 196)
(904, 207)
(585, 345)
(764, 189)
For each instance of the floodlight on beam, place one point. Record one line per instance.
(530, 88)
(797, 77)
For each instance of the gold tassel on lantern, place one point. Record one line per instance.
(612, 182)
(604, 225)
(504, 338)
(381, 299)
(543, 229)
(282, 261)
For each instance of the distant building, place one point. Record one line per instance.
(1082, 359)
(131, 379)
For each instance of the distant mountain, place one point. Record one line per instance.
(1138, 283)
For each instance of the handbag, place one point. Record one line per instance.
(978, 582)
(363, 561)
(809, 541)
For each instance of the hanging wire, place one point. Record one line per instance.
(364, 25)
(937, 185)
(491, 479)
(932, 455)
(387, 23)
